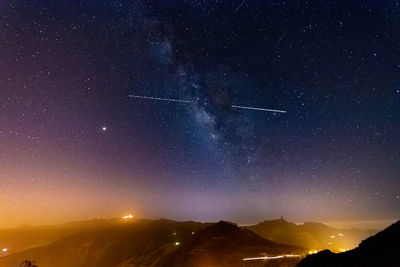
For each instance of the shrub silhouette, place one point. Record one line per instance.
(28, 263)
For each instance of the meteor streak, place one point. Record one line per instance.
(260, 109)
(161, 99)
(189, 102)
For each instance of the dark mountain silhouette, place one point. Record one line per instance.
(163, 242)
(225, 244)
(140, 242)
(310, 234)
(106, 243)
(382, 249)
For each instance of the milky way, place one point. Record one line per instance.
(73, 145)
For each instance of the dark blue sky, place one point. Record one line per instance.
(67, 69)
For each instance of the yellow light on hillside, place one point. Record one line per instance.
(126, 217)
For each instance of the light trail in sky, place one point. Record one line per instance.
(260, 109)
(241, 4)
(161, 99)
(189, 102)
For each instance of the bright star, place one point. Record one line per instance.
(104, 128)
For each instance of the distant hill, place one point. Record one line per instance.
(382, 249)
(25, 237)
(225, 244)
(116, 243)
(312, 235)
(140, 242)
(105, 243)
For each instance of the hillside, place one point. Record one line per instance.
(25, 237)
(140, 242)
(225, 244)
(151, 243)
(108, 243)
(381, 249)
(310, 234)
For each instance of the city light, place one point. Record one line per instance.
(130, 216)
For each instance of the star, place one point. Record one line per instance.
(142, 103)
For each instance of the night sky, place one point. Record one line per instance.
(74, 145)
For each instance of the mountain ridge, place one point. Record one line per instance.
(381, 249)
(317, 236)
(143, 242)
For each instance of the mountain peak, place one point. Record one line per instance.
(224, 242)
(221, 228)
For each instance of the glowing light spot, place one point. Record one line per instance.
(104, 128)
(177, 243)
(340, 234)
(4, 249)
(313, 252)
(332, 236)
(126, 217)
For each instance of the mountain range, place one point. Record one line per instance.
(141, 242)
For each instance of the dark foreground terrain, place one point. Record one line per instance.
(382, 249)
